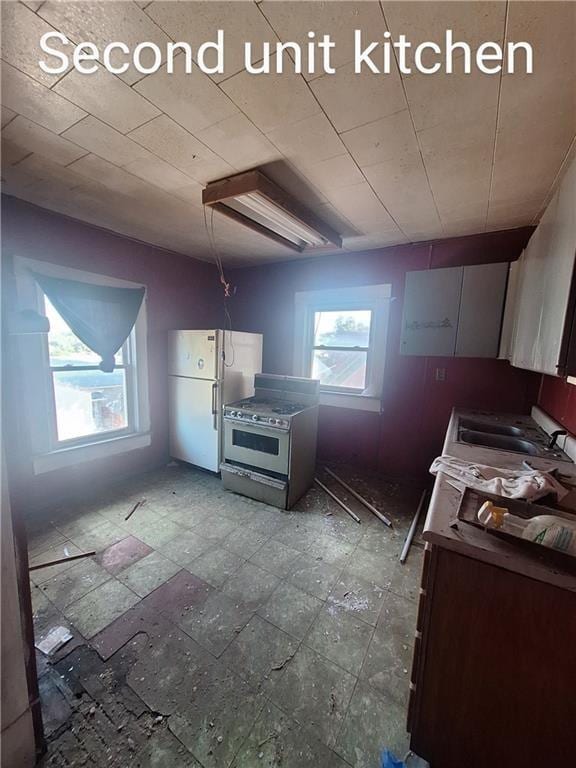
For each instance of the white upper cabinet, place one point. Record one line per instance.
(431, 306)
(481, 307)
(539, 307)
(454, 312)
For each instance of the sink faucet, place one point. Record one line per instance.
(554, 437)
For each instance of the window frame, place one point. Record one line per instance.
(131, 375)
(374, 298)
(48, 452)
(368, 350)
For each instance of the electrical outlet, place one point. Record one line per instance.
(440, 374)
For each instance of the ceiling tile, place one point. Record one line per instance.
(368, 242)
(359, 204)
(239, 142)
(529, 104)
(437, 100)
(527, 168)
(21, 33)
(192, 100)
(308, 140)
(293, 20)
(33, 4)
(99, 138)
(15, 180)
(103, 23)
(384, 139)
(467, 226)
(190, 193)
(158, 172)
(45, 170)
(295, 183)
(520, 212)
(537, 121)
(402, 186)
(328, 213)
(199, 22)
(271, 100)
(334, 173)
(97, 169)
(458, 161)
(550, 28)
(7, 115)
(54, 194)
(107, 98)
(534, 98)
(474, 22)
(12, 152)
(33, 100)
(351, 99)
(422, 228)
(172, 143)
(34, 138)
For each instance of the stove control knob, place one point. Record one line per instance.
(255, 417)
(232, 413)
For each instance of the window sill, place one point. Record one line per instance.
(351, 401)
(67, 457)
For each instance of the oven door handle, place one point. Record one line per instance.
(215, 404)
(261, 426)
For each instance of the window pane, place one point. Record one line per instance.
(342, 328)
(340, 369)
(89, 402)
(64, 347)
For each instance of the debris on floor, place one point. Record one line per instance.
(134, 508)
(250, 636)
(55, 639)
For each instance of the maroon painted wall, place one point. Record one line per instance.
(409, 433)
(558, 399)
(181, 293)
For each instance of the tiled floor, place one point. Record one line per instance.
(212, 630)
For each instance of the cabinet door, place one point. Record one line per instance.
(546, 269)
(509, 315)
(481, 308)
(431, 307)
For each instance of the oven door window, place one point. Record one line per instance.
(260, 443)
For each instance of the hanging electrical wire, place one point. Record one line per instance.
(215, 253)
(225, 284)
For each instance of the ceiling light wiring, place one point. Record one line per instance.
(225, 284)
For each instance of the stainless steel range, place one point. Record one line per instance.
(270, 440)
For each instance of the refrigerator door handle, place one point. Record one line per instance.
(215, 403)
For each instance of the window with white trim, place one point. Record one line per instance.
(86, 402)
(341, 348)
(340, 338)
(75, 411)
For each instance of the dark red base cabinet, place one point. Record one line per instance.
(494, 672)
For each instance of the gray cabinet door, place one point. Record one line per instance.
(481, 309)
(431, 307)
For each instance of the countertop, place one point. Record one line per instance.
(474, 542)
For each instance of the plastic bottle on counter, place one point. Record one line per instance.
(547, 530)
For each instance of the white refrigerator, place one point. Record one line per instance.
(207, 369)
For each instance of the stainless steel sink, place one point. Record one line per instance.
(490, 428)
(502, 442)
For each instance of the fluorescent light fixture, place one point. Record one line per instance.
(253, 200)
